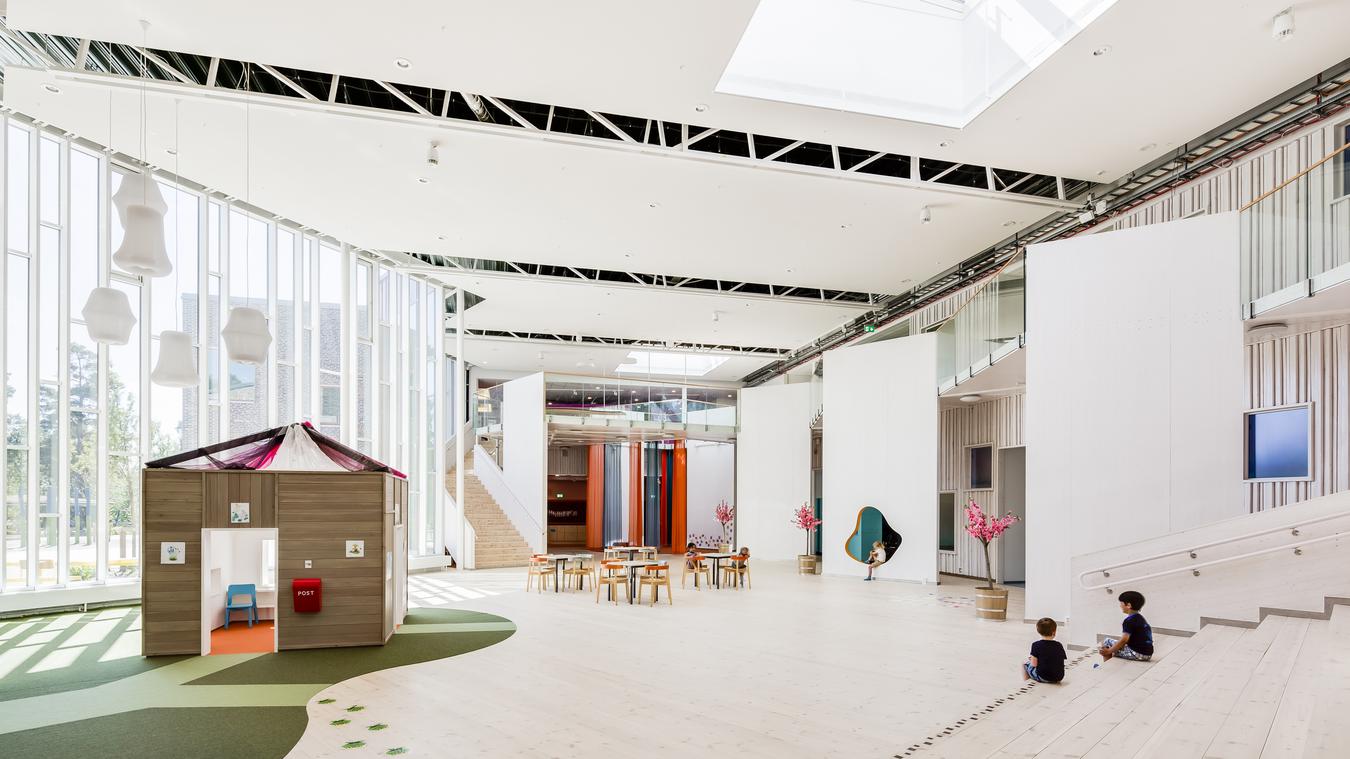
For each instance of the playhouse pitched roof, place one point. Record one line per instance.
(292, 447)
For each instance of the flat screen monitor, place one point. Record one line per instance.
(1278, 445)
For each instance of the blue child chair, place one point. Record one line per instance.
(234, 600)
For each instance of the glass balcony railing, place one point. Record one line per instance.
(986, 327)
(630, 400)
(1295, 237)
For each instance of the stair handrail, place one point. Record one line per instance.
(1296, 177)
(1193, 552)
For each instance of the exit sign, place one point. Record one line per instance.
(869, 328)
(559, 495)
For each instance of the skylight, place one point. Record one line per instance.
(669, 364)
(933, 61)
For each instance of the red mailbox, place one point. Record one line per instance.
(307, 594)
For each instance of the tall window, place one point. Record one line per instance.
(81, 418)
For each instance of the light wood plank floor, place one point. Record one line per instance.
(799, 666)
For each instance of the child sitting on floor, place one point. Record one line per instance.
(1046, 663)
(1136, 637)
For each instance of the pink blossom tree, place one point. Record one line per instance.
(725, 514)
(804, 518)
(986, 528)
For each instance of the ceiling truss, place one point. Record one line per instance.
(84, 56)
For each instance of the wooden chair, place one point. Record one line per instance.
(580, 572)
(736, 571)
(612, 575)
(541, 568)
(700, 568)
(654, 576)
(612, 554)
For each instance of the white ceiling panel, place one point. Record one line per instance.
(1174, 70)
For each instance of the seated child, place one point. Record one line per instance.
(1046, 663)
(691, 556)
(1136, 638)
(875, 558)
(743, 555)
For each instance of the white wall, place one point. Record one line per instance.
(525, 452)
(880, 450)
(711, 478)
(1135, 393)
(773, 468)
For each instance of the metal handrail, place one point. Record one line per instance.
(1296, 177)
(1194, 550)
(1195, 568)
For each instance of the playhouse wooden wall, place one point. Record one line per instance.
(315, 513)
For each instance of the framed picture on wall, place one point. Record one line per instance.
(239, 513)
(173, 553)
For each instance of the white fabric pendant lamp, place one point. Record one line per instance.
(247, 337)
(176, 366)
(108, 316)
(141, 208)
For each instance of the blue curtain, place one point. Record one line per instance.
(651, 516)
(614, 495)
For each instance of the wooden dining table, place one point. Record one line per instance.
(560, 563)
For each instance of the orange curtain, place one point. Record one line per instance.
(595, 498)
(679, 535)
(635, 494)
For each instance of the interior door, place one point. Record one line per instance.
(1013, 495)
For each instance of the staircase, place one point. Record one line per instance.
(1278, 689)
(497, 543)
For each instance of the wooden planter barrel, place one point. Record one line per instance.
(991, 603)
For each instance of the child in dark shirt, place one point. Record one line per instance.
(1136, 639)
(1046, 663)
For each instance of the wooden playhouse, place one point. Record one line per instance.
(339, 517)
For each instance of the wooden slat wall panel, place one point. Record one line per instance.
(998, 422)
(171, 511)
(318, 514)
(257, 488)
(1311, 366)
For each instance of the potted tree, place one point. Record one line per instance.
(725, 515)
(805, 519)
(990, 602)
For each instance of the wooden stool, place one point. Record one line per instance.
(700, 568)
(612, 575)
(655, 575)
(538, 567)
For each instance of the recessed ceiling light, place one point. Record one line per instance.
(440, 237)
(701, 107)
(423, 180)
(653, 205)
(1148, 147)
(403, 63)
(969, 398)
(51, 88)
(945, 144)
(171, 151)
(1103, 50)
(1101, 173)
(1009, 223)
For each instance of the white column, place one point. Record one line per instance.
(459, 399)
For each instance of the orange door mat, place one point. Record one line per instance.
(242, 639)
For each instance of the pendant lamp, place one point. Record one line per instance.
(246, 335)
(143, 252)
(108, 316)
(139, 190)
(176, 366)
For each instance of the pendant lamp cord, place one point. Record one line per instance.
(248, 183)
(145, 75)
(177, 148)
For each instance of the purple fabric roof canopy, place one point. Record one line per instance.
(294, 447)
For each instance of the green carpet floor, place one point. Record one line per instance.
(87, 668)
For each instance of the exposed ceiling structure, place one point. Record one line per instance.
(839, 219)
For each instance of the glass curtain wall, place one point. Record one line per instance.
(356, 350)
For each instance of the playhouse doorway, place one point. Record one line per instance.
(239, 591)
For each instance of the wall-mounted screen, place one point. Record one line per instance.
(946, 521)
(981, 467)
(1278, 445)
